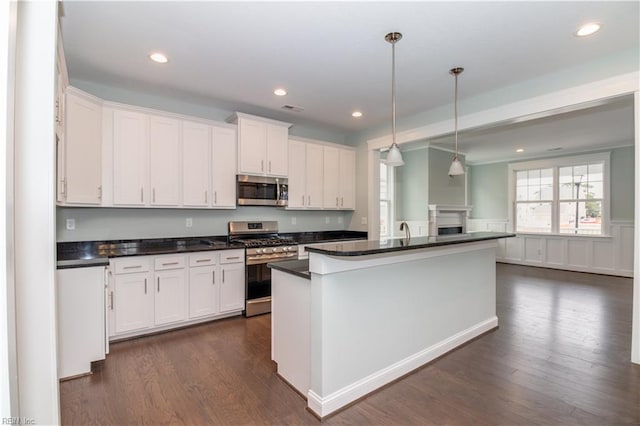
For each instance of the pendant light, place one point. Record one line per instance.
(456, 166)
(394, 156)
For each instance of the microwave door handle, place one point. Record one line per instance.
(277, 190)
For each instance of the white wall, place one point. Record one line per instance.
(8, 367)
(34, 211)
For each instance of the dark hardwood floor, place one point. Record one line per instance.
(560, 356)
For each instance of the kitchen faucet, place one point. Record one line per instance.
(405, 227)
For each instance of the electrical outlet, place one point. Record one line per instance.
(71, 224)
(327, 219)
(363, 220)
(339, 219)
(189, 222)
(293, 220)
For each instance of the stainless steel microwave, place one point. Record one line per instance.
(262, 191)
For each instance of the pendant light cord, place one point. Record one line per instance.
(455, 108)
(393, 92)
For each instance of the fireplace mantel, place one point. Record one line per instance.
(448, 218)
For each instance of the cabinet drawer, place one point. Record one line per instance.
(203, 259)
(169, 262)
(232, 256)
(131, 265)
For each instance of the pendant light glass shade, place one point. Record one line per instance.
(456, 167)
(394, 156)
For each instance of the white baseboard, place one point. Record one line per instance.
(323, 406)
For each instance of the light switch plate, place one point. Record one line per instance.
(71, 224)
(327, 219)
(339, 219)
(293, 221)
(189, 222)
(363, 220)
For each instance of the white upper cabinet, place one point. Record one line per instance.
(223, 167)
(80, 169)
(130, 158)
(262, 145)
(164, 161)
(347, 191)
(331, 198)
(305, 175)
(196, 151)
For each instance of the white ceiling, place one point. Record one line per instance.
(332, 57)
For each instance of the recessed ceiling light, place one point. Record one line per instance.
(520, 150)
(588, 29)
(356, 114)
(159, 58)
(280, 92)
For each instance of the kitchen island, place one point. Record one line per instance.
(363, 314)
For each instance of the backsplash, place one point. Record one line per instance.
(116, 223)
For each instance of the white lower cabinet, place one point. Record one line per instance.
(81, 314)
(152, 293)
(232, 287)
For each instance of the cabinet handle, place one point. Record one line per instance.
(213, 277)
(170, 263)
(153, 194)
(145, 286)
(341, 201)
(215, 197)
(111, 300)
(309, 200)
(99, 192)
(132, 267)
(205, 197)
(234, 257)
(303, 200)
(269, 166)
(336, 201)
(203, 260)
(141, 195)
(262, 165)
(158, 284)
(223, 275)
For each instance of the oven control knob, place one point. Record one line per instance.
(258, 250)
(285, 248)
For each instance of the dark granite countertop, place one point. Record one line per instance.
(363, 248)
(80, 254)
(97, 253)
(299, 268)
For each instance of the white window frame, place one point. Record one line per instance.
(556, 163)
(391, 185)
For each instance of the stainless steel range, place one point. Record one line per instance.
(263, 245)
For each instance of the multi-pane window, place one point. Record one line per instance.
(386, 197)
(561, 196)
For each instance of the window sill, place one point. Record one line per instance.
(539, 234)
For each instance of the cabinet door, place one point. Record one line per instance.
(252, 139)
(164, 161)
(195, 164)
(297, 174)
(277, 160)
(130, 154)
(347, 179)
(132, 302)
(170, 296)
(83, 151)
(223, 171)
(315, 173)
(331, 178)
(232, 287)
(203, 291)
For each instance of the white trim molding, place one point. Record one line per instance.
(611, 255)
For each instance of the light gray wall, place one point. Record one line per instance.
(411, 186)
(113, 224)
(488, 187)
(622, 187)
(489, 191)
(444, 189)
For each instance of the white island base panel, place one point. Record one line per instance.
(372, 319)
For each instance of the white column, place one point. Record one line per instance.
(8, 376)
(34, 211)
(635, 331)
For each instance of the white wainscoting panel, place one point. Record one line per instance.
(611, 255)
